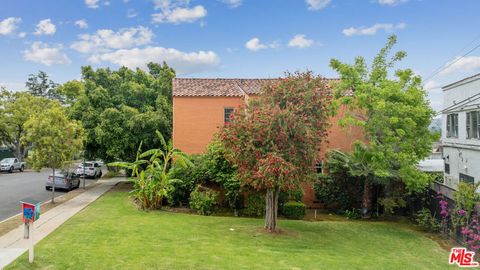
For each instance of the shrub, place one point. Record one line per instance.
(391, 203)
(294, 210)
(465, 198)
(295, 195)
(203, 200)
(427, 221)
(209, 168)
(179, 195)
(338, 191)
(111, 174)
(353, 214)
(255, 205)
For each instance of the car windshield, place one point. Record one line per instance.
(7, 160)
(87, 165)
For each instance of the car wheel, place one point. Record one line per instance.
(22, 168)
(10, 170)
(47, 188)
(100, 175)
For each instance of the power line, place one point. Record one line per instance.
(442, 68)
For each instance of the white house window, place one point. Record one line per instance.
(452, 125)
(473, 125)
(227, 112)
(466, 178)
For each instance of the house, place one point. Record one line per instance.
(202, 106)
(461, 132)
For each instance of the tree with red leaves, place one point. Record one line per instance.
(275, 139)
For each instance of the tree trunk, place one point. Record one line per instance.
(18, 152)
(367, 200)
(53, 186)
(271, 209)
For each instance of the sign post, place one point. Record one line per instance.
(31, 213)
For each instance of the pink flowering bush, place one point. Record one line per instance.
(444, 213)
(471, 232)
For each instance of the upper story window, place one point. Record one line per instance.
(447, 168)
(473, 125)
(452, 125)
(227, 112)
(319, 167)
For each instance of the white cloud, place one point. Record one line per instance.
(391, 2)
(180, 15)
(233, 3)
(82, 24)
(105, 39)
(317, 4)
(182, 62)
(92, 3)
(9, 25)
(177, 11)
(372, 30)
(300, 41)
(22, 34)
(466, 64)
(255, 44)
(45, 27)
(131, 13)
(432, 85)
(13, 86)
(44, 54)
(435, 94)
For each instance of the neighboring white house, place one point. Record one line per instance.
(461, 131)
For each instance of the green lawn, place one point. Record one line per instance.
(112, 234)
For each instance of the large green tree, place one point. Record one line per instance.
(394, 113)
(42, 86)
(275, 140)
(119, 109)
(55, 139)
(16, 108)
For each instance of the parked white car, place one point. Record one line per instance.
(92, 169)
(11, 164)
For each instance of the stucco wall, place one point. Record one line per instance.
(462, 153)
(197, 119)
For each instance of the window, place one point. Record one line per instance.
(473, 125)
(447, 168)
(319, 167)
(227, 112)
(466, 178)
(452, 125)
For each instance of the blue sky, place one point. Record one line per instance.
(234, 38)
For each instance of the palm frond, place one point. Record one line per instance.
(162, 140)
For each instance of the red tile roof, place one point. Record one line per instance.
(187, 87)
(217, 87)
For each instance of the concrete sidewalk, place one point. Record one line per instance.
(12, 244)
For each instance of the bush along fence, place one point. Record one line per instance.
(457, 218)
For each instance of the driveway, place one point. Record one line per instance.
(19, 185)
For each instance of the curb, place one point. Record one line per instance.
(45, 202)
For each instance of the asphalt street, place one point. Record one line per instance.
(19, 185)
